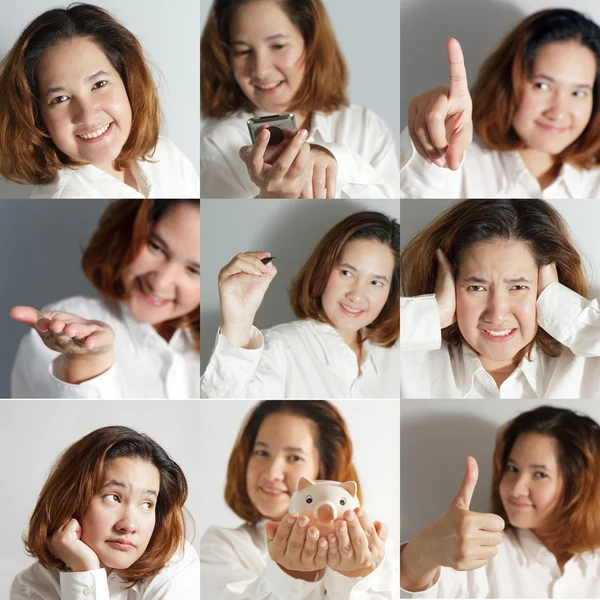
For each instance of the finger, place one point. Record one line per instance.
(309, 550)
(422, 135)
(489, 538)
(297, 538)
(367, 525)
(467, 487)
(303, 165)
(382, 530)
(457, 72)
(488, 522)
(98, 340)
(444, 266)
(288, 156)
(271, 529)
(256, 159)
(435, 118)
(307, 190)
(245, 152)
(57, 325)
(319, 180)
(357, 535)
(244, 265)
(343, 539)
(331, 181)
(457, 146)
(322, 554)
(25, 314)
(333, 553)
(282, 534)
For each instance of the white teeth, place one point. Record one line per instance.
(351, 310)
(270, 86)
(90, 136)
(498, 333)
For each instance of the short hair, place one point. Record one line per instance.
(575, 524)
(498, 90)
(27, 153)
(326, 74)
(310, 283)
(533, 222)
(331, 437)
(76, 478)
(123, 231)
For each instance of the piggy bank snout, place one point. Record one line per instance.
(326, 512)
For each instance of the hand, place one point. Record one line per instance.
(243, 283)
(358, 545)
(445, 291)
(322, 182)
(295, 549)
(286, 177)
(67, 546)
(547, 274)
(440, 121)
(459, 539)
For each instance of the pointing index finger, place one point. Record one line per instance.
(457, 72)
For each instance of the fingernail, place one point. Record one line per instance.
(323, 542)
(342, 525)
(332, 539)
(313, 533)
(439, 162)
(291, 519)
(303, 134)
(303, 522)
(264, 134)
(359, 512)
(351, 516)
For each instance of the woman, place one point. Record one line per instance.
(79, 113)
(535, 109)
(344, 343)
(140, 339)
(545, 496)
(263, 57)
(109, 524)
(510, 301)
(280, 442)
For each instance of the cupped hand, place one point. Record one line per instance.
(445, 290)
(322, 182)
(358, 545)
(547, 274)
(440, 121)
(67, 546)
(295, 547)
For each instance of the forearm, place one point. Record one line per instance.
(417, 570)
(76, 369)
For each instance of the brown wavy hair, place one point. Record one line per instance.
(325, 77)
(499, 86)
(124, 229)
(78, 475)
(533, 222)
(27, 153)
(310, 283)
(331, 437)
(576, 521)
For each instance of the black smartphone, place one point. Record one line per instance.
(277, 125)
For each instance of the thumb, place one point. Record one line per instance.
(271, 529)
(467, 487)
(381, 530)
(25, 314)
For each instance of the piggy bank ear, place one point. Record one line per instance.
(304, 482)
(350, 487)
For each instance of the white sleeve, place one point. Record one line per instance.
(420, 323)
(448, 584)
(91, 585)
(103, 387)
(571, 319)
(30, 377)
(233, 571)
(420, 179)
(234, 372)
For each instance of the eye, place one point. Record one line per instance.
(343, 501)
(58, 100)
(309, 499)
(475, 288)
(540, 85)
(99, 84)
(278, 46)
(260, 453)
(156, 247)
(194, 271)
(540, 475)
(112, 498)
(510, 469)
(148, 504)
(294, 458)
(580, 93)
(377, 283)
(238, 53)
(518, 288)
(345, 273)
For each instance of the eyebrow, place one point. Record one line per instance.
(531, 466)
(479, 280)
(162, 242)
(355, 270)
(577, 85)
(120, 484)
(86, 79)
(286, 448)
(267, 39)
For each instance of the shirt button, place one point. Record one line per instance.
(87, 592)
(547, 321)
(293, 591)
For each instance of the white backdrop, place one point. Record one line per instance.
(34, 432)
(374, 429)
(170, 35)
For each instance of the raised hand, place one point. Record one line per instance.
(445, 290)
(547, 274)
(67, 546)
(459, 539)
(440, 120)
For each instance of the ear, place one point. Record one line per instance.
(304, 482)
(350, 487)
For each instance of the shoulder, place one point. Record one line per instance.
(167, 151)
(185, 563)
(36, 579)
(225, 540)
(357, 116)
(64, 185)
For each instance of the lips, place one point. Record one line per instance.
(551, 128)
(95, 134)
(150, 298)
(498, 335)
(520, 505)
(267, 88)
(122, 544)
(350, 311)
(273, 492)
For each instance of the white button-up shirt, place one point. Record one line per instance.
(236, 565)
(523, 568)
(489, 174)
(360, 141)
(301, 359)
(430, 368)
(146, 365)
(168, 174)
(178, 580)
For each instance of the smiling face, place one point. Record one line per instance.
(267, 54)
(83, 102)
(358, 287)
(496, 294)
(284, 451)
(120, 520)
(164, 279)
(531, 486)
(557, 99)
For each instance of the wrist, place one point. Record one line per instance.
(238, 334)
(83, 566)
(417, 567)
(75, 369)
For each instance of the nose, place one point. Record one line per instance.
(496, 310)
(84, 110)
(559, 106)
(261, 65)
(355, 292)
(275, 469)
(127, 522)
(164, 277)
(520, 487)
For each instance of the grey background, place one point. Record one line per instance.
(368, 37)
(34, 432)
(437, 436)
(40, 252)
(478, 25)
(170, 35)
(289, 229)
(582, 217)
(374, 427)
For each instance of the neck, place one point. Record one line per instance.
(499, 370)
(541, 165)
(165, 331)
(561, 556)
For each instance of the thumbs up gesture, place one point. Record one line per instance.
(440, 120)
(460, 539)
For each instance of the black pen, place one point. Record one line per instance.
(266, 260)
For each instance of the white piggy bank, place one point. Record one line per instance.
(323, 502)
